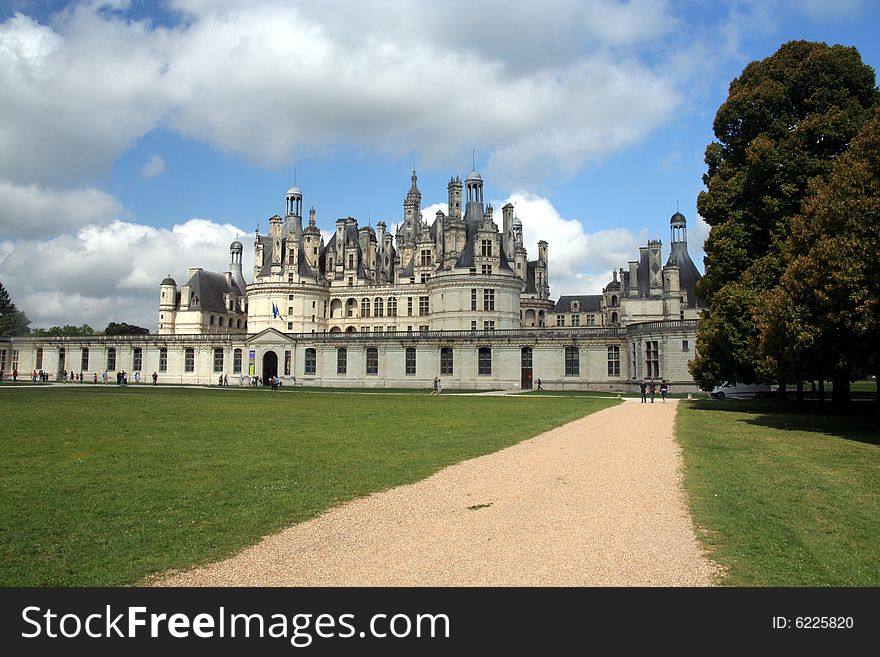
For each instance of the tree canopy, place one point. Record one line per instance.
(68, 330)
(12, 320)
(125, 329)
(786, 120)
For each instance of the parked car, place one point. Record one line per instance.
(742, 390)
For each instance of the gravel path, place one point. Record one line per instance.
(597, 502)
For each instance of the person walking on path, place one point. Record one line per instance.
(155, 378)
(539, 385)
(643, 386)
(434, 387)
(653, 388)
(664, 389)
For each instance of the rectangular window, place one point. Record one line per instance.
(489, 325)
(473, 325)
(486, 270)
(218, 360)
(446, 361)
(83, 363)
(111, 359)
(684, 345)
(575, 320)
(391, 329)
(613, 361)
(572, 361)
(289, 326)
(311, 361)
(409, 308)
(489, 299)
(473, 299)
(137, 361)
(423, 328)
(2, 360)
(423, 306)
(484, 361)
(163, 359)
(15, 359)
(652, 360)
(372, 360)
(290, 311)
(486, 248)
(365, 329)
(426, 258)
(39, 360)
(410, 361)
(560, 320)
(189, 360)
(341, 361)
(591, 320)
(236, 361)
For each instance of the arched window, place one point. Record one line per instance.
(351, 308)
(311, 361)
(484, 361)
(378, 307)
(392, 306)
(614, 301)
(236, 361)
(365, 307)
(410, 361)
(446, 361)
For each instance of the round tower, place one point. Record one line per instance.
(167, 304)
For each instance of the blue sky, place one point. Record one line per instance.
(138, 138)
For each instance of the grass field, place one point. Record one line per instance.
(783, 495)
(104, 485)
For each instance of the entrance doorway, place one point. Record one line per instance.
(526, 383)
(270, 366)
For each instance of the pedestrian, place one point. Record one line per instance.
(35, 376)
(439, 385)
(220, 381)
(664, 389)
(643, 386)
(14, 374)
(137, 377)
(434, 387)
(226, 380)
(155, 378)
(96, 378)
(539, 385)
(652, 387)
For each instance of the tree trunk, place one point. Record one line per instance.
(841, 392)
(800, 391)
(781, 394)
(822, 389)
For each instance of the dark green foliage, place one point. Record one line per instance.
(125, 329)
(67, 330)
(785, 121)
(12, 320)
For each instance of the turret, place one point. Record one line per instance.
(454, 199)
(235, 251)
(507, 226)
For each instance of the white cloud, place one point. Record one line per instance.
(580, 262)
(265, 80)
(31, 211)
(154, 166)
(111, 273)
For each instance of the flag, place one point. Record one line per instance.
(276, 314)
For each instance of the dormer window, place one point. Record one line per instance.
(575, 306)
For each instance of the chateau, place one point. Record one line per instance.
(456, 297)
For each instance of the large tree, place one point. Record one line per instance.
(12, 320)
(785, 121)
(825, 315)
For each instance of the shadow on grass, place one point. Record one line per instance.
(859, 421)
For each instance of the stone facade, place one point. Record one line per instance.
(457, 298)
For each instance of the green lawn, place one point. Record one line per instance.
(104, 485)
(783, 494)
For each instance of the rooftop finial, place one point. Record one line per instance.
(676, 205)
(474, 158)
(294, 177)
